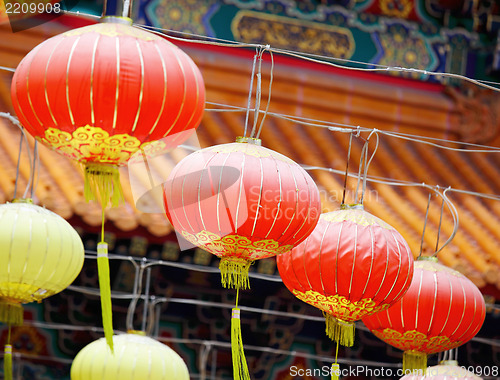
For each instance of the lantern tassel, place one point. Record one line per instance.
(339, 331)
(102, 184)
(105, 289)
(7, 362)
(240, 367)
(11, 313)
(234, 273)
(414, 361)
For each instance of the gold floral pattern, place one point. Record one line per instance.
(92, 144)
(236, 245)
(415, 340)
(339, 306)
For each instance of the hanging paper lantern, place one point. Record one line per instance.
(135, 357)
(446, 370)
(241, 202)
(441, 310)
(100, 93)
(41, 254)
(352, 265)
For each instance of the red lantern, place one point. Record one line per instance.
(241, 202)
(352, 265)
(441, 310)
(100, 93)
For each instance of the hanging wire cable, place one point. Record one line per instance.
(18, 164)
(271, 73)
(364, 164)
(136, 292)
(348, 128)
(425, 224)
(16, 123)
(324, 60)
(454, 214)
(104, 8)
(439, 226)
(258, 92)
(33, 172)
(346, 170)
(367, 164)
(250, 92)
(11, 69)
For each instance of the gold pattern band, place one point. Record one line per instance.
(236, 245)
(339, 306)
(415, 340)
(92, 144)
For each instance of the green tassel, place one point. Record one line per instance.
(7, 362)
(102, 184)
(11, 313)
(339, 331)
(335, 371)
(234, 273)
(414, 362)
(240, 367)
(105, 289)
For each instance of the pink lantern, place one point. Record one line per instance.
(446, 370)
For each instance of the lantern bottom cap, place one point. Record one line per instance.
(102, 183)
(234, 272)
(414, 362)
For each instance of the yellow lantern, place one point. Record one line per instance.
(134, 357)
(40, 255)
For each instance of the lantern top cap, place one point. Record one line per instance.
(428, 258)
(355, 206)
(117, 20)
(136, 332)
(22, 200)
(448, 362)
(248, 140)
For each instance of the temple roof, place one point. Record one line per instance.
(314, 92)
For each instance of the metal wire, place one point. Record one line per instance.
(425, 224)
